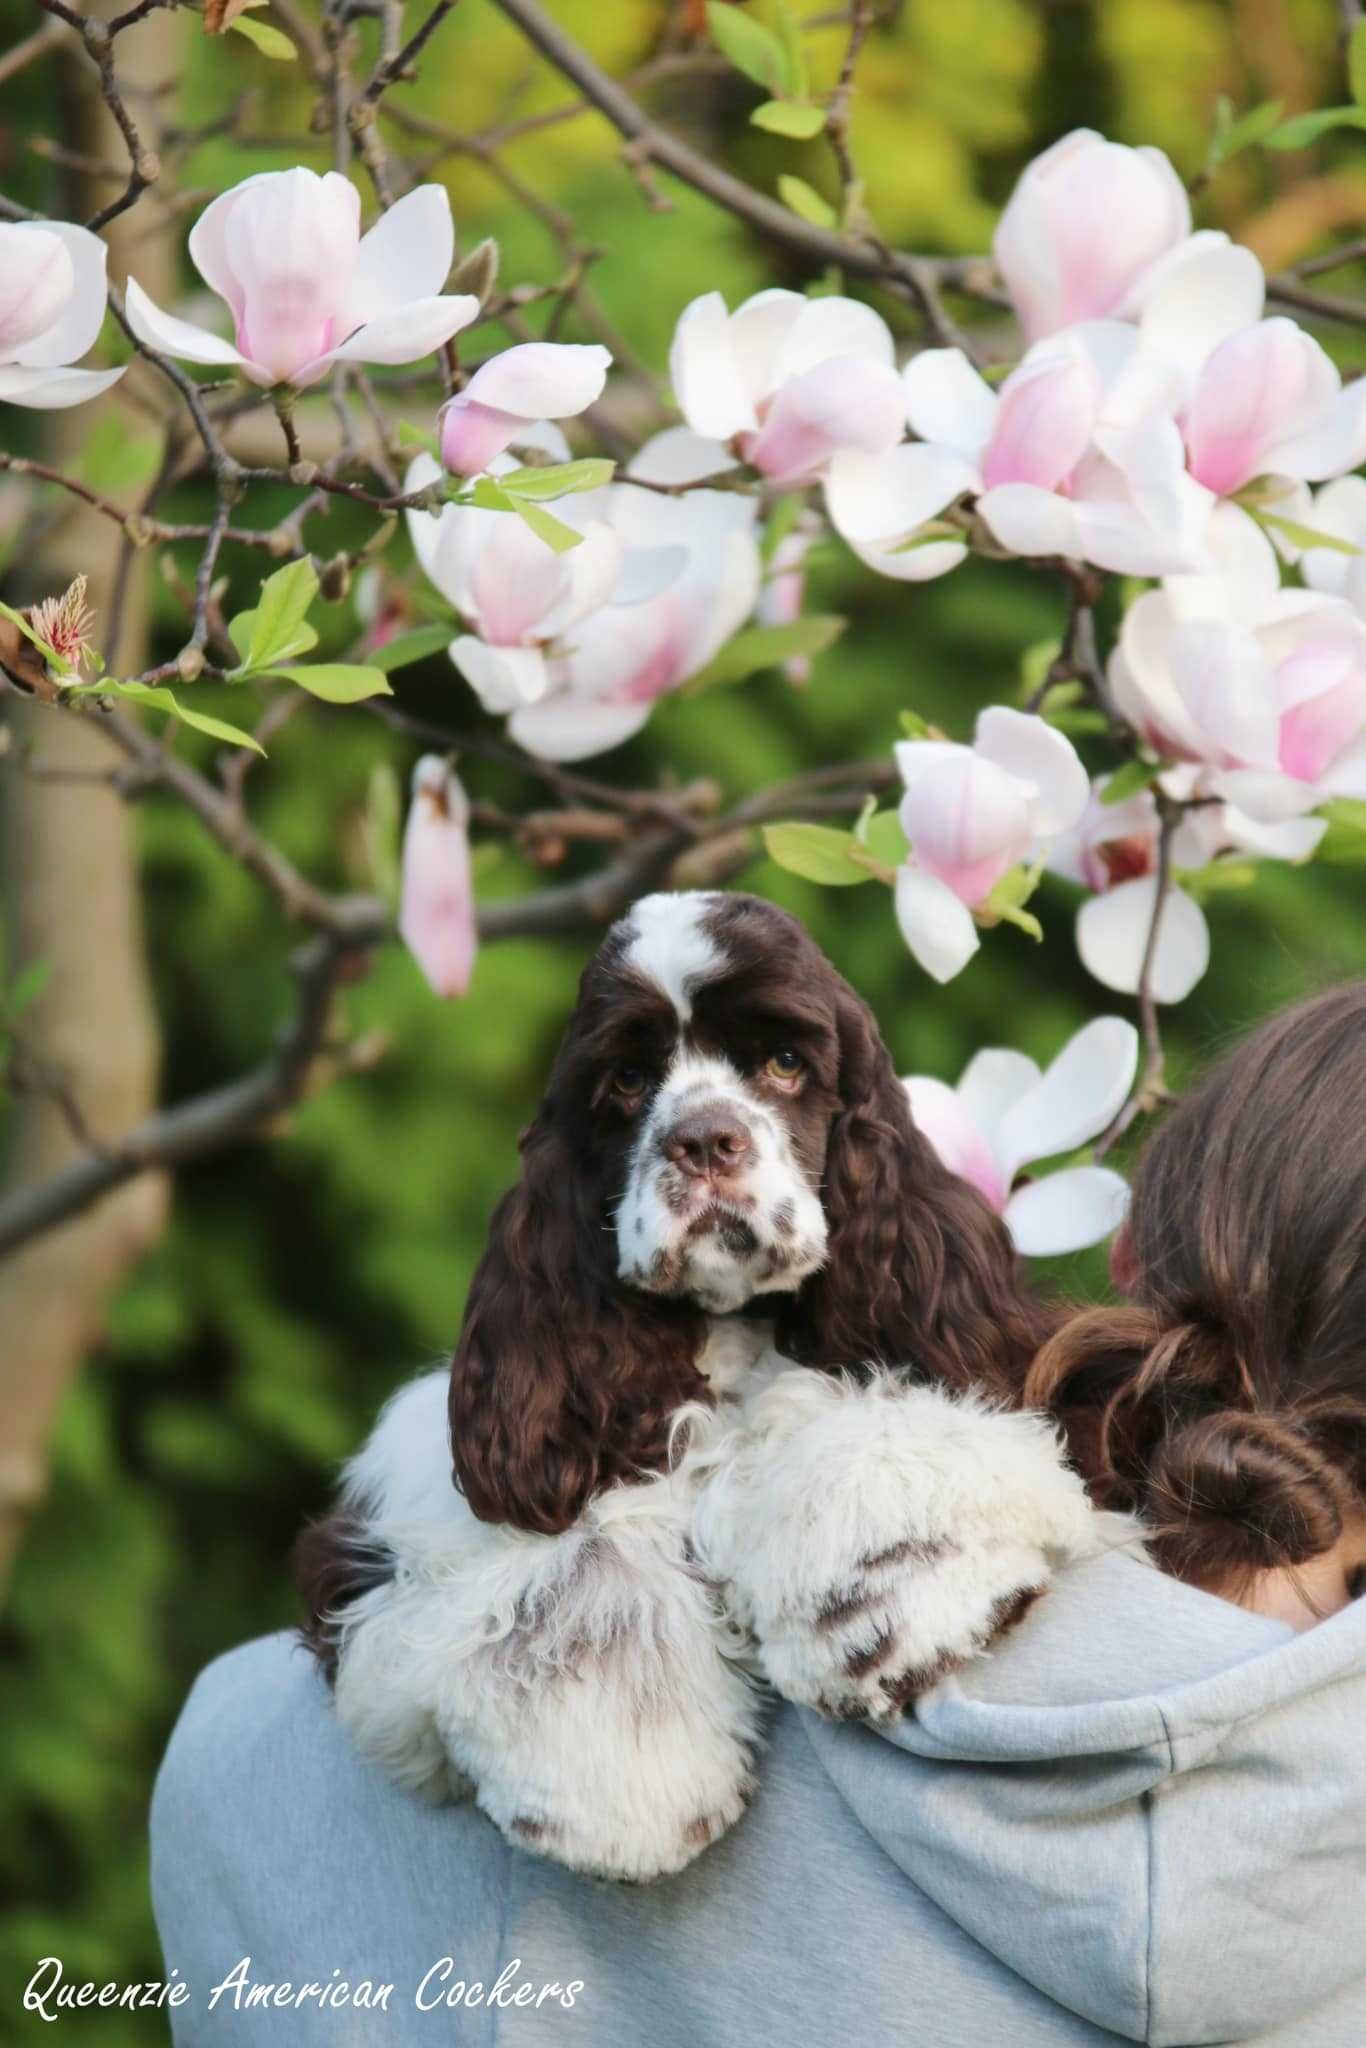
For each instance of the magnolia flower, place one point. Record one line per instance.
(517, 595)
(436, 914)
(306, 288)
(1339, 509)
(1263, 689)
(783, 594)
(1085, 228)
(971, 814)
(1077, 455)
(786, 380)
(539, 380)
(52, 299)
(616, 664)
(1005, 1113)
(1113, 851)
(1270, 402)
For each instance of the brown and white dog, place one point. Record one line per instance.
(654, 1497)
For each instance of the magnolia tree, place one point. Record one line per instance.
(1113, 395)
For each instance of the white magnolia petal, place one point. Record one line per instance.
(877, 499)
(993, 1081)
(208, 243)
(757, 330)
(52, 390)
(920, 564)
(1339, 509)
(938, 928)
(1294, 840)
(502, 678)
(727, 599)
(568, 727)
(831, 327)
(172, 337)
(1031, 521)
(679, 456)
(1229, 688)
(1028, 747)
(708, 383)
(1112, 934)
(1066, 1211)
(406, 255)
(541, 379)
(1080, 1093)
(1334, 442)
(940, 1115)
(594, 567)
(1268, 798)
(77, 326)
(644, 572)
(947, 401)
(414, 330)
(1347, 776)
(1202, 293)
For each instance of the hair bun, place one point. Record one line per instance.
(1237, 1492)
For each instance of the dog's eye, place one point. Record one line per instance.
(628, 1085)
(785, 1066)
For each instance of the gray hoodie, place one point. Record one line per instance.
(1143, 1819)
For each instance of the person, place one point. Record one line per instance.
(1143, 1818)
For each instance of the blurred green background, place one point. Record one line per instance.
(299, 1281)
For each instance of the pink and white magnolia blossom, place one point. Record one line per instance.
(1263, 689)
(306, 288)
(1269, 402)
(970, 815)
(538, 380)
(52, 300)
(1085, 228)
(787, 381)
(515, 594)
(436, 912)
(1006, 1113)
(1338, 509)
(615, 665)
(1077, 455)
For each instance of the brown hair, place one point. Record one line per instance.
(1227, 1404)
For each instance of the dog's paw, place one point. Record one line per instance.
(875, 1537)
(624, 1846)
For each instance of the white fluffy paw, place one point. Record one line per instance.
(875, 1537)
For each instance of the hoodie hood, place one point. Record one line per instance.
(1164, 1825)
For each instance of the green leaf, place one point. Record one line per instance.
(1302, 536)
(796, 70)
(408, 648)
(558, 479)
(49, 654)
(163, 700)
(914, 726)
(884, 839)
(797, 118)
(26, 987)
(546, 527)
(277, 629)
(338, 682)
(750, 46)
(781, 522)
(1220, 875)
(818, 853)
(1356, 63)
(410, 436)
(1307, 128)
(269, 41)
(1035, 663)
(1005, 904)
(1344, 843)
(798, 196)
(761, 647)
(1129, 780)
(1240, 134)
(929, 535)
(1079, 724)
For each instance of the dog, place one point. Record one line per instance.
(733, 1399)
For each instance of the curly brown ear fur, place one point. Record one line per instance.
(562, 1381)
(334, 1564)
(919, 1271)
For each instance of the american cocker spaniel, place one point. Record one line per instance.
(654, 1497)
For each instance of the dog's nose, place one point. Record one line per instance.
(712, 1142)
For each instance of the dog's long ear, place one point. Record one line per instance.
(919, 1272)
(562, 1381)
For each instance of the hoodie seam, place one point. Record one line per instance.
(1150, 1816)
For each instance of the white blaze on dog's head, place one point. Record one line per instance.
(718, 1205)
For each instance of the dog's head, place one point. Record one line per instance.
(723, 1123)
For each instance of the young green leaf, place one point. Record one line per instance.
(490, 495)
(914, 726)
(761, 647)
(1344, 843)
(338, 682)
(885, 840)
(750, 46)
(408, 648)
(410, 436)
(1307, 128)
(558, 479)
(1129, 780)
(818, 853)
(163, 700)
(1302, 536)
(1247, 129)
(277, 629)
(795, 118)
(1219, 876)
(796, 70)
(798, 196)
(269, 41)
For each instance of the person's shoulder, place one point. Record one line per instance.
(258, 1713)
